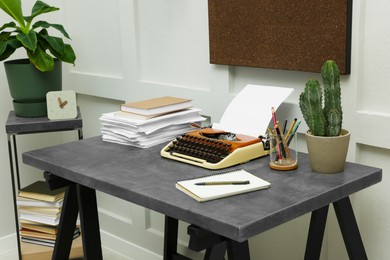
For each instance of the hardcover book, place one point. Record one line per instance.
(157, 106)
(39, 191)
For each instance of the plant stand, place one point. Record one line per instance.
(21, 126)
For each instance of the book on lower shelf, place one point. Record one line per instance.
(39, 191)
(41, 218)
(39, 227)
(33, 251)
(39, 211)
(26, 202)
(221, 185)
(42, 238)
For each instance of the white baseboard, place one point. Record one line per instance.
(8, 247)
(124, 250)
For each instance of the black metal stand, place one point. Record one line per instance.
(21, 126)
(14, 188)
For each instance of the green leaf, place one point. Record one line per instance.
(41, 60)
(7, 49)
(28, 40)
(14, 9)
(14, 43)
(55, 43)
(46, 25)
(4, 36)
(3, 46)
(8, 25)
(69, 56)
(40, 8)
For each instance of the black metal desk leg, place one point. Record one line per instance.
(89, 221)
(67, 224)
(216, 252)
(170, 240)
(316, 233)
(349, 229)
(171, 227)
(237, 250)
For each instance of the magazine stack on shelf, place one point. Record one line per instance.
(149, 122)
(39, 213)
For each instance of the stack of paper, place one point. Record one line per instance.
(128, 130)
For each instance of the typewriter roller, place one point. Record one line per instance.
(214, 149)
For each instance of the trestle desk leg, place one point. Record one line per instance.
(89, 221)
(67, 224)
(216, 252)
(316, 233)
(171, 228)
(349, 229)
(237, 250)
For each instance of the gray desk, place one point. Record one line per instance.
(141, 176)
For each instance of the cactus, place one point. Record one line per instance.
(323, 120)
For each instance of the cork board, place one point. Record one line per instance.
(281, 34)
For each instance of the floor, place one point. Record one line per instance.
(107, 254)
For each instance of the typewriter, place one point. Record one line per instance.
(215, 149)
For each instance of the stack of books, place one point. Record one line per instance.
(39, 213)
(150, 122)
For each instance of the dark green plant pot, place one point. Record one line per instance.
(28, 86)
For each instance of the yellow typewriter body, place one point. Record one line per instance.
(214, 149)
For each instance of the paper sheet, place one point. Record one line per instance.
(250, 111)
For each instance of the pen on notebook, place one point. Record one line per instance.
(222, 183)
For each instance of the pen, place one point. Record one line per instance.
(291, 128)
(293, 131)
(284, 127)
(222, 183)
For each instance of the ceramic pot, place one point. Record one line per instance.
(328, 154)
(28, 86)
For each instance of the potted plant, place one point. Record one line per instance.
(327, 142)
(30, 79)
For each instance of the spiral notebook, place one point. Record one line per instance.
(221, 185)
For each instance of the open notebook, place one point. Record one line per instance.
(196, 189)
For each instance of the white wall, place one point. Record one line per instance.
(128, 50)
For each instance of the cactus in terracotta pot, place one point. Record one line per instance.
(321, 109)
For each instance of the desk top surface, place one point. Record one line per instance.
(143, 177)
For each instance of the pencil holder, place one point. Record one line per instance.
(283, 152)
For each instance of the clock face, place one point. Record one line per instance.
(61, 104)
